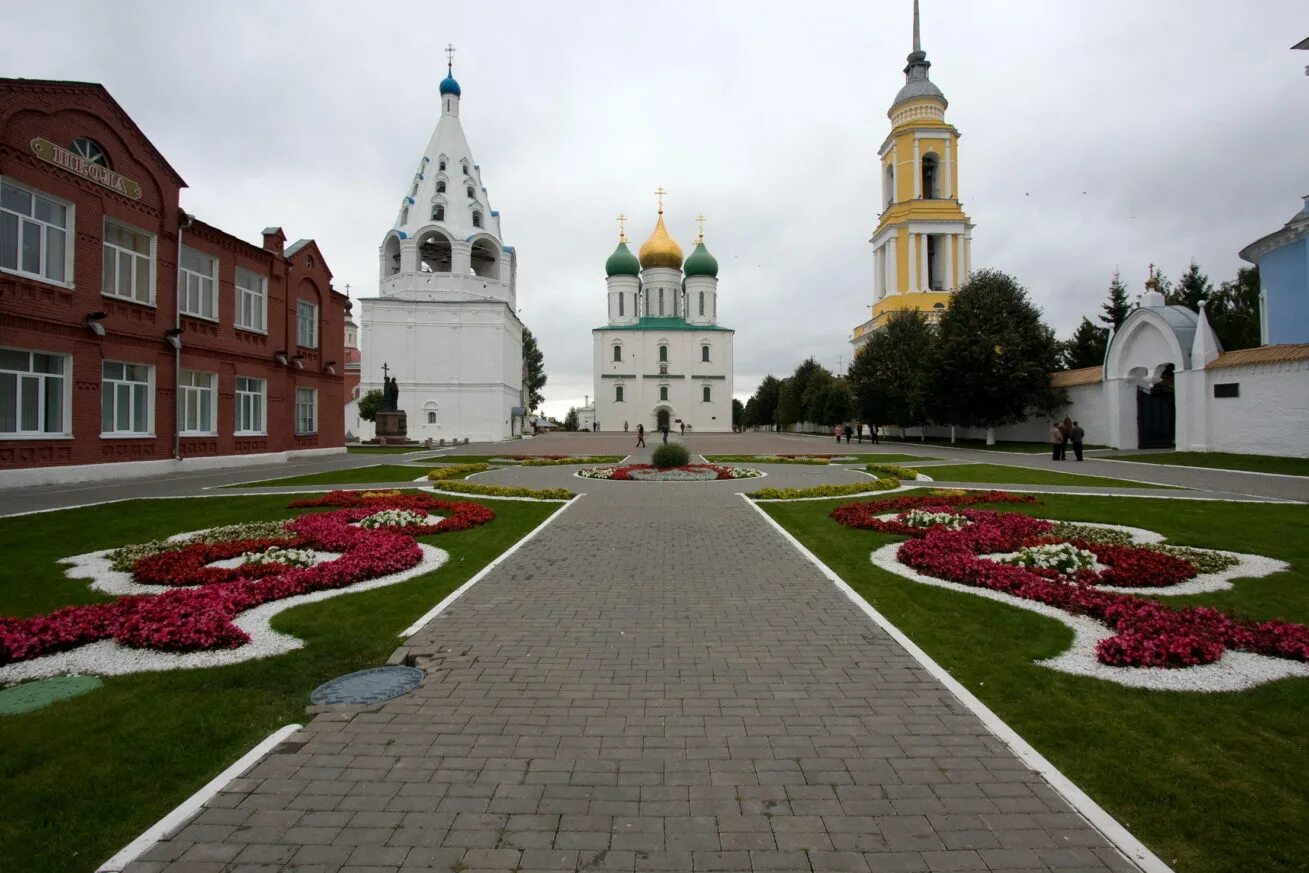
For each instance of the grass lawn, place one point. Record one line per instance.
(1224, 461)
(355, 476)
(85, 776)
(1210, 782)
(1021, 476)
(1020, 447)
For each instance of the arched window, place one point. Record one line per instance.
(618, 353)
(477, 219)
(663, 392)
(391, 255)
(88, 148)
(440, 165)
(706, 393)
(704, 354)
(621, 295)
(484, 256)
(434, 254)
(933, 269)
(618, 394)
(890, 184)
(464, 164)
(471, 195)
(929, 177)
(431, 417)
(663, 354)
(661, 301)
(702, 303)
(404, 216)
(440, 186)
(438, 212)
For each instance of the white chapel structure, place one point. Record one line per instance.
(446, 324)
(663, 358)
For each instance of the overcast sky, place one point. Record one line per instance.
(1094, 136)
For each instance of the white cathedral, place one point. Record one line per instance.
(446, 324)
(663, 359)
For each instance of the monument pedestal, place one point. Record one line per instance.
(391, 428)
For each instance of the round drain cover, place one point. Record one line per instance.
(367, 686)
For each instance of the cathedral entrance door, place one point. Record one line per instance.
(662, 419)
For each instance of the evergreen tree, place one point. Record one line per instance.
(792, 399)
(838, 405)
(370, 404)
(1115, 311)
(570, 420)
(1193, 287)
(1086, 348)
(765, 398)
(993, 356)
(738, 413)
(533, 370)
(1234, 311)
(814, 400)
(890, 374)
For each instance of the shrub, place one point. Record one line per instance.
(883, 471)
(556, 462)
(456, 471)
(462, 487)
(671, 455)
(824, 490)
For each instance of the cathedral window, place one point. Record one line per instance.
(441, 165)
(434, 254)
(702, 303)
(663, 392)
(464, 164)
(438, 212)
(440, 186)
(706, 394)
(704, 354)
(618, 394)
(663, 354)
(477, 219)
(471, 194)
(930, 191)
(484, 255)
(890, 184)
(618, 353)
(661, 301)
(934, 271)
(431, 417)
(620, 303)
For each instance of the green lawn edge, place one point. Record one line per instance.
(85, 776)
(1210, 782)
(1006, 475)
(1224, 461)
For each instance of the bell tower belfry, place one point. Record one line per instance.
(922, 244)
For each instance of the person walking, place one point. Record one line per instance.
(849, 432)
(1056, 442)
(872, 433)
(683, 428)
(640, 436)
(664, 430)
(837, 432)
(859, 429)
(624, 427)
(1077, 435)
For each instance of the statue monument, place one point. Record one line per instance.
(391, 425)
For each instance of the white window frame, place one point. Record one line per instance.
(151, 261)
(300, 407)
(149, 394)
(242, 293)
(192, 280)
(65, 399)
(69, 233)
(256, 400)
(198, 399)
(300, 322)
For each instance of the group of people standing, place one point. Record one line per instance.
(1062, 433)
(848, 431)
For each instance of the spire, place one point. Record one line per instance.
(449, 87)
(918, 43)
(916, 81)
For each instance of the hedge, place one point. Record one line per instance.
(456, 471)
(462, 487)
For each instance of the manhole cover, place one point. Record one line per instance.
(367, 686)
(35, 695)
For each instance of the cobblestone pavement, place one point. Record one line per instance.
(659, 681)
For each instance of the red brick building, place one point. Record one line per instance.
(132, 332)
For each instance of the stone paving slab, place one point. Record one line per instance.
(658, 681)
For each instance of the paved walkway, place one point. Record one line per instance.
(659, 681)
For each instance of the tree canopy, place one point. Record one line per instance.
(994, 355)
(1233, 310)
(890, 375)
(1116, 309)
(533, 370)
(1193, 287)
(1086, 347)
(370, 404)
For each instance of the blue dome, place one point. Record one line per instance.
(449, 86)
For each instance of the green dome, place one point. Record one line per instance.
(622, 262)
(701, 263)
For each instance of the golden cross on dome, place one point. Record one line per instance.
(1152, 282)
(622, 230)
(700, 219)
(660, 192)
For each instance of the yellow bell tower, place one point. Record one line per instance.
(922, 244)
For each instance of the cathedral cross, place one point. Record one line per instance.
(450, 57)
(622, 230)
(660, 192)
(700, 220)
(386, 371)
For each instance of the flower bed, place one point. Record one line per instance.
(1144, 633)
(458, 515)
(456, 471)
(930, 518)
(686, 473)
(1064, 558)
(463, 487)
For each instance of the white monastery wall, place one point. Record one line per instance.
(1269, 417)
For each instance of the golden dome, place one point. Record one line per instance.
(661, 250)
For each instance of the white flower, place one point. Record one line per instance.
(1063, 558)
(393, 518)
(279, 555)
(924, 518)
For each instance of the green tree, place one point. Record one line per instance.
(370, 404)
(738, 413)
(838, 404)
(1086, 348)
(765, 400)
(1193, 287)
(533, 370)
(793, 396)
(814, 401)
(994, 355)
(570, 420)
(1116, 309)
(1234, 311)
(751, 416)
(890, 376)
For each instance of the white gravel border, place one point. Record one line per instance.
(108, 658)
(1235, 671)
